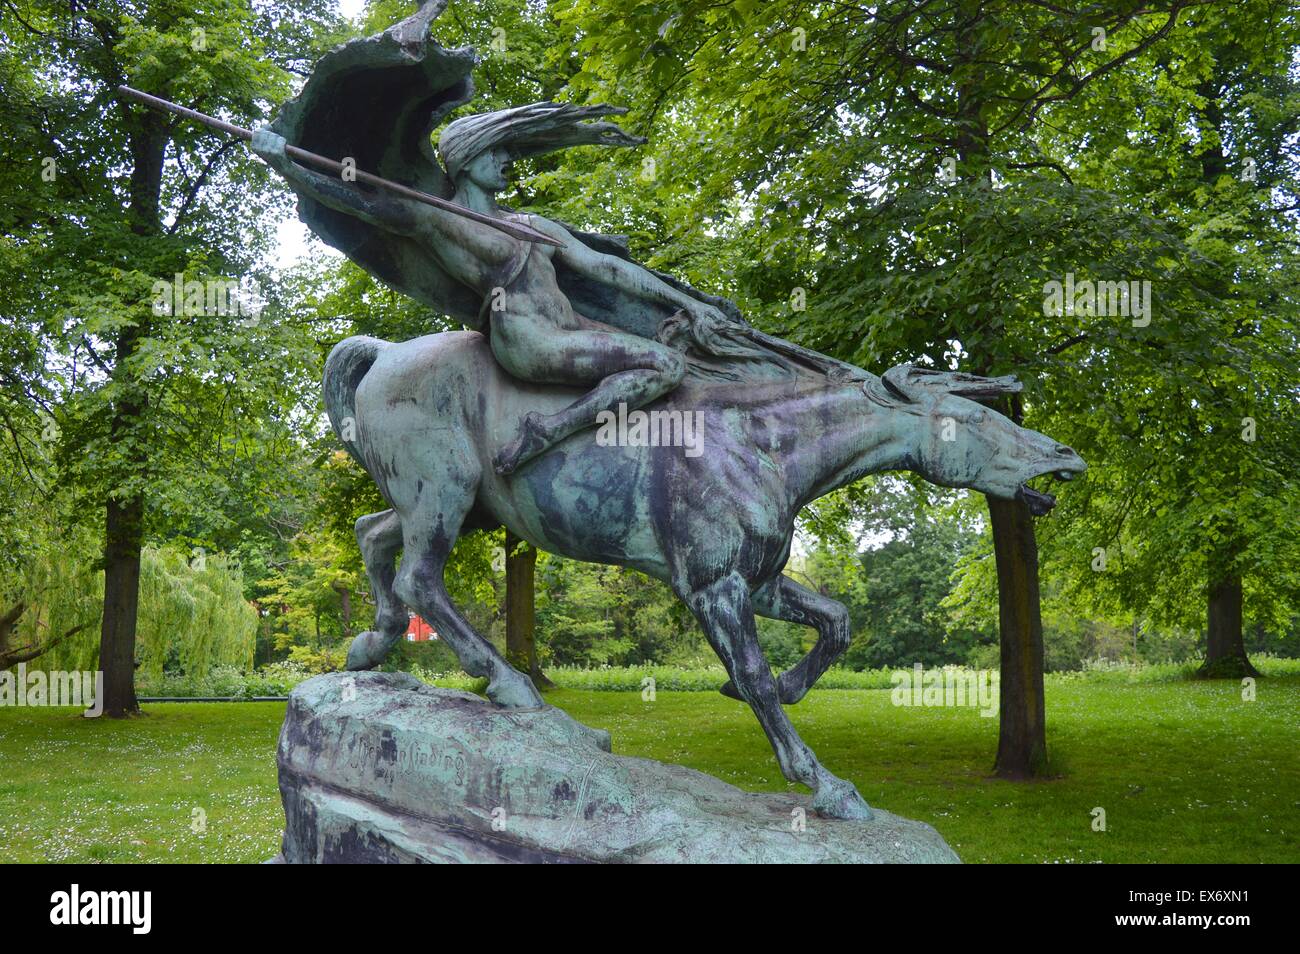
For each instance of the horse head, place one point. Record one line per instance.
(954, 441)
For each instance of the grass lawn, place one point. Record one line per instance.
(1185, 771)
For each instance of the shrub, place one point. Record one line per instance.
(278, 679)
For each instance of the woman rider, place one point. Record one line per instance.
(534, 332)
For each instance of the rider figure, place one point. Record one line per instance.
(534, 332)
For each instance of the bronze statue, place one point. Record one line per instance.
(535, 333)
(492, 426)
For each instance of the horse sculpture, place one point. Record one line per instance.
(467, 430)
(425, 418)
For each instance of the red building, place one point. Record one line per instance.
(418, 631)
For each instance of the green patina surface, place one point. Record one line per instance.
(462, 431)
(380, 767)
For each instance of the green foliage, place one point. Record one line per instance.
(888, 549)
(305, 597)
(193, 614)
(435, 664)
(791, 147)
(805, 148)
(277, 679)
(590, 615)
(429, 656)
(900, 600)
(185, 415)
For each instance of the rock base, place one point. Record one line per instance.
(379, 767)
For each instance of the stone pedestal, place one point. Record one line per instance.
(379, 767)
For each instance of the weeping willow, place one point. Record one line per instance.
(192, 614)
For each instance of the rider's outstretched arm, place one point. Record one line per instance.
(386, 212)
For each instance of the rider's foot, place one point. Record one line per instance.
(532, 440)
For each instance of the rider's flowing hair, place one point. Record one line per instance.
(529, 131)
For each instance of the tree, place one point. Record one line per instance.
(119, 198)
(12, 655)
(521, 613)
(898, 610)
(1199, 486)
(897, 202)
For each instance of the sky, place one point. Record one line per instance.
(294, 242)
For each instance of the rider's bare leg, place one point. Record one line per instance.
(631, 370)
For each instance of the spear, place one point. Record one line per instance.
(516, 229)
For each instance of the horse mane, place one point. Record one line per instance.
(763, 358)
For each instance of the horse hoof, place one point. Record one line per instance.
(598, 737)
(839, 799)
(730, 691)
(366, 652)
(514, 693)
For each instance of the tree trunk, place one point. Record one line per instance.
(1225, 654)
(9, 623)
(123, 541)
(521, 619)
(1022, 728)
(124, 517)
(1022, 732)
(345, 608)
(123, 538)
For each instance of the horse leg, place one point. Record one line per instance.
(724, 610)
(784, 599)
(380, 537)
(428, 539)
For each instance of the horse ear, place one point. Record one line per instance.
(896, 381)
(904, 381)
(982, 389)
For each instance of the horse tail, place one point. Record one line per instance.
(347, 364)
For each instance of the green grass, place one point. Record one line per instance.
(1186, 771)
(86, 790)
